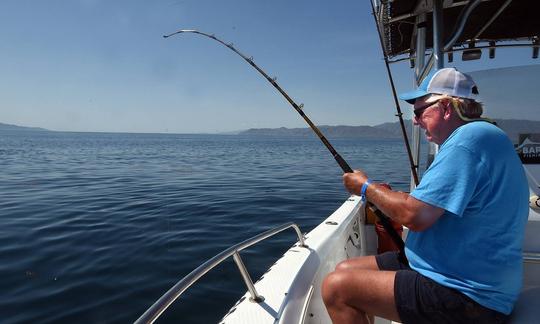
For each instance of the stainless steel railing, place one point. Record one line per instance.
(170, 296)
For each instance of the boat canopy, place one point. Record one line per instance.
(487, 21)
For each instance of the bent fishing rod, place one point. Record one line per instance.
(342, 163)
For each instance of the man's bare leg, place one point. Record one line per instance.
(358, 288)
(365, 262)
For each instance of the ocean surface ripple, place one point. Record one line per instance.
(97, 226)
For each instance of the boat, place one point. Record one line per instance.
(422, 33)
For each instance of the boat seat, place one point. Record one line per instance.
(527, 308)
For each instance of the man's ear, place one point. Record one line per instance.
(448, 110)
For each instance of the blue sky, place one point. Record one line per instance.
(97, 65)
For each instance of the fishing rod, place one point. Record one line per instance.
(396, 101)
(342, 163)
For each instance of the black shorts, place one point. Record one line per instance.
(422, 300)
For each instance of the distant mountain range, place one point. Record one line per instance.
(387, 130)
(512, 127)
(20, 128)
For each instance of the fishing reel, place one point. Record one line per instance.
(534, 203)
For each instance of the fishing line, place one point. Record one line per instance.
(342, 163)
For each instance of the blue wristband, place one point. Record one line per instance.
(364, 189)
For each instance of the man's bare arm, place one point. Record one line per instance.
(401, 207)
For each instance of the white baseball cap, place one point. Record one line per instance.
(447, 81)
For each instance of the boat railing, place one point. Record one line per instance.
(170, 296)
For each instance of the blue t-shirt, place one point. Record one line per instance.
(476, 245)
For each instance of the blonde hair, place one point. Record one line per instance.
(468, 110)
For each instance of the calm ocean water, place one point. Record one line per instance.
(95, 227)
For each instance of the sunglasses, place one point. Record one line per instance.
(419, 111)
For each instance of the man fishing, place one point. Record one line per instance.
(466, 222)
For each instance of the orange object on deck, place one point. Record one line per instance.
(384, 240)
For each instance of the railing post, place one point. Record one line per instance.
(255, 297)
(301, 241)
